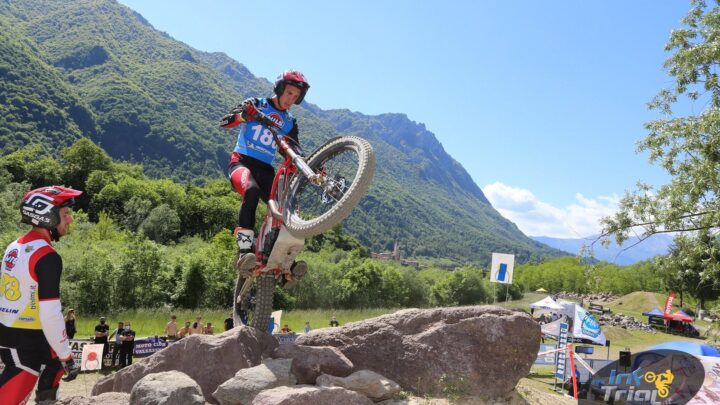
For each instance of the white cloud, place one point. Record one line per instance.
(538, 218)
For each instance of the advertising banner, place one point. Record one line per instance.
(148, 346)
(561, 356)
(546, 359)
(585, 326)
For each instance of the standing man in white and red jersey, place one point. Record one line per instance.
(32, 328)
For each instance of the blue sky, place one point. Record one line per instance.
(542, 102)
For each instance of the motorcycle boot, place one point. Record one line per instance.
(246, 260)
(46, 395)
(297, 272)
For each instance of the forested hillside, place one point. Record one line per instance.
(97, 69)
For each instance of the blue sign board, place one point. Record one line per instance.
(546, 358)
(561, 355)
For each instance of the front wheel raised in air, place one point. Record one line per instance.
(348, 165)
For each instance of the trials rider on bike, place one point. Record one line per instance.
(250, 169)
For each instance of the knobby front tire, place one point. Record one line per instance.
(348, 157)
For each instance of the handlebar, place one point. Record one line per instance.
(288, 151)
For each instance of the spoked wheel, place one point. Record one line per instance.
(348, 165)
(257, 311)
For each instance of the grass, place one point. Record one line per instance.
(151, 322)
(634, 304)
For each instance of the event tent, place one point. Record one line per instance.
(680, 316)
(696, 349)
(654, 312)
(547, 303)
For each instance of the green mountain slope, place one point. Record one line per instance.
(147, 98)
(36, 104)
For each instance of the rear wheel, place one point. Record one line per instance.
(254, 308)
(264, 302)
(348, 165)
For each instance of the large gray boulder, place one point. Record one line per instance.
(366, 382)
(309, 362)
(209, 360)
(248, 382)
(109, 398)
(310, 395)
(166, 388)
(480, 351)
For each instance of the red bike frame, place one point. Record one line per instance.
(273, 217)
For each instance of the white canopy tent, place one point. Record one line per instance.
(547, 303)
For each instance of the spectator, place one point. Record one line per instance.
(184, 331)
(334, 322)
(197, 326)
(101, 336)
(116, 346)
(127, 338)
(307, 327)
(229, 323)
(285, 329)
(171, 328)
(70, 323)
(209, 329)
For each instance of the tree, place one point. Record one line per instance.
(687, 147)
(81, 159)
(693, 266)
(162, 224)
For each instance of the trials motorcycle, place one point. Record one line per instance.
(308, 197)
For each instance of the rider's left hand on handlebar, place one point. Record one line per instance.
(230, 120)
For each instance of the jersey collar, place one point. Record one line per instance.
(34, 235)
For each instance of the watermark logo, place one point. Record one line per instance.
(651, 377)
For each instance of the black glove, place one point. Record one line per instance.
(71, 369)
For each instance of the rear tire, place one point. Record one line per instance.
(264, 302)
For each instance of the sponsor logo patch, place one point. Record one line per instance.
(11, 259)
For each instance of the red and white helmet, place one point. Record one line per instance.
(41, 207)
(293, 78)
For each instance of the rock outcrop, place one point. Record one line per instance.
(248, 382)
(366, 382)
(310, 362)
(209, 360)
(310, 395)
(480, 350)
(166, 388)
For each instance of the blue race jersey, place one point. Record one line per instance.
(255, 140)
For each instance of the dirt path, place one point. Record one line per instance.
(80, 386)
